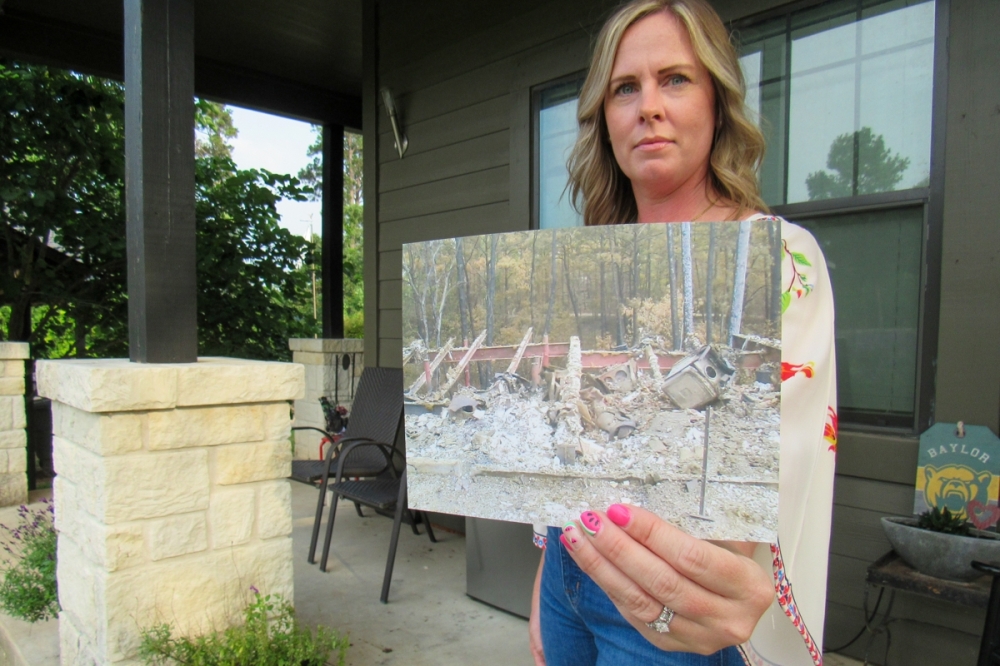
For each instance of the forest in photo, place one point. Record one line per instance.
(552, 370)
(610, 286)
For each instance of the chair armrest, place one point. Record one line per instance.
(386, 450)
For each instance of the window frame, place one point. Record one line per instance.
(536, 108)
(930, 198)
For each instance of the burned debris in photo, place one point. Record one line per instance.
(553, 371)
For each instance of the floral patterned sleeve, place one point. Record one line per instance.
(791, 632)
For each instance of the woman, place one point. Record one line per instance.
(664, 138)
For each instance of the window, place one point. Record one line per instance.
(843, 92)
(555, 133)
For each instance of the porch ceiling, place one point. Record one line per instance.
(300, 58)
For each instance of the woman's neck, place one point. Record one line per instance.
(691, 202)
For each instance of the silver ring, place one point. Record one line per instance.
(661, 625)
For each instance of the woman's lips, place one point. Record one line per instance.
(649, 145)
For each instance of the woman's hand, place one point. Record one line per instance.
(643, 564)
(534, 621)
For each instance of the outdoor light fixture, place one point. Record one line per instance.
(390, 108)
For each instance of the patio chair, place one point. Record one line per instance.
(385, 493)
(375, 417)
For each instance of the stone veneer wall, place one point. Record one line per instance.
(13, 437)
(171, 496)
(324, 374)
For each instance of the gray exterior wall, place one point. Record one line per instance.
(461, 73)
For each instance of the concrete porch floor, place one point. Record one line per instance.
(428, 621)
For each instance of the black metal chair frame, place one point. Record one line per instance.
(385, 492)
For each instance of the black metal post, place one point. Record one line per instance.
(333, 231)
(159, 180)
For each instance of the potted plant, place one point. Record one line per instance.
(942, 544)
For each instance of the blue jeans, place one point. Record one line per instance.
(580, 625)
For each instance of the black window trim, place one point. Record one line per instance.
(536, 107)
(932, 200)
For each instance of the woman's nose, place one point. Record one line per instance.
(650, 104)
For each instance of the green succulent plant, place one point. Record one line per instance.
(943, 520)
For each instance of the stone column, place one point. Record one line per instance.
(325, 375)
(13, 437)
(171, 496)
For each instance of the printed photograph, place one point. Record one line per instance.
(548, 372)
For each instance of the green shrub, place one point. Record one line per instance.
(270, 636)
(28, 591)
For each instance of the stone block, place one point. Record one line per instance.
(108, 385)
(221, 381)
(12, 412)
(309, 413)
(13, 489)
(307, 445)
(194, 595)
(312, 358)
(13, 461)
(205, 426)
(105, 434)
(277, 421)
(230, 516)
(109, 547)
(178, 535)
(11, 368)
(14, 351)
(74, 650)
(328, 345)
(14, 439)
(135, 486)
(243, 463)
(81, 597)
(11, 385)
(274, 509)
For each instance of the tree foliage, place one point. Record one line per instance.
(63, 281)
(860, 163)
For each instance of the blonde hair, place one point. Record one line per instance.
(737, 150)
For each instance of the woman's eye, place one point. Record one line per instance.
(625, 89)
(676, 79)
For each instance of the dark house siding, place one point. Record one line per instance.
(462, 73)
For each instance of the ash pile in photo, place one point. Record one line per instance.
(647, 389)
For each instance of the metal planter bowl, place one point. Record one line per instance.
(947, 556)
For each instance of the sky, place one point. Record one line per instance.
(279, 145)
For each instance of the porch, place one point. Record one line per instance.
(428, 620)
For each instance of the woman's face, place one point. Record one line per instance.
(660, 108)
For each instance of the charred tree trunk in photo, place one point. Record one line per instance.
(463, 291)
(419, 296)
(687, 265)
(572, 296)
(603, 300)
(709, 279)
(616, 268)
(531, 283)
(491, 293)
(552, 286)
(675, 322)
(635, 283)
(739, 280)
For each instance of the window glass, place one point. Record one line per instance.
(844, 94)
(874, 262)
(557, 132)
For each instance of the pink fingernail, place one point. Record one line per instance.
(591, 522)
(619, 514)
(565, 542)
(569, 531)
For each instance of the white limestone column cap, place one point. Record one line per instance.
(327, 345)
(118, 385)
(14, 351)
